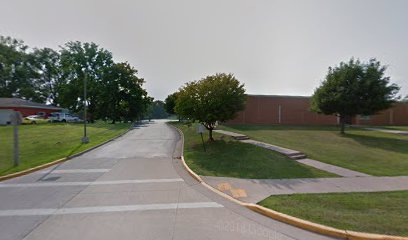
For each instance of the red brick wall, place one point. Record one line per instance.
(396, 115)
(293, 111)
(296, 111)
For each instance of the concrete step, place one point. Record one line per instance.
(236, 136)
(297, 155)
(241, 138)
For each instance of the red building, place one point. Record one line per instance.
(295, 110)
(26, 107)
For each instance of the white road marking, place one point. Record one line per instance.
(107, 209)
(52, 184)
(74, 171)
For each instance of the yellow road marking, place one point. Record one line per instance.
(224, 187)
(238, 193)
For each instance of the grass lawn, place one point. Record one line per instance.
(42, 143)
(371, 152)
(229, 158)
(380, 212)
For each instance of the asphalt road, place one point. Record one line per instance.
(131, 188)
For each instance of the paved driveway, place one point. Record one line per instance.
(131, 188)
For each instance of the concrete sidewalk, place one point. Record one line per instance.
(343, 172)
(259, 189)
(388, 131)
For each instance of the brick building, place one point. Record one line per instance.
(295, 110)
(26, 107)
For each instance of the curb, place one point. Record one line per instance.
(45, 165)
(294, 221)
(33, 169)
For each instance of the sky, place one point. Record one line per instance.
(274, 47)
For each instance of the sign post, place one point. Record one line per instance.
(16, 120)
(201, 130)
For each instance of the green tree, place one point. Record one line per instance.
(123, 96)
(18, 76)
(46, 61)
(354, 88)
(213, 99)
(170, 103)
(80, 61)
(11, 55)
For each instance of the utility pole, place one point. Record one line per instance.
(85, 138)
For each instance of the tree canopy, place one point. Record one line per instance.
(114, 90)
(124, 96)
(18, 76)
(214, 98)
(170, 103)
(47, 66)
(354, 88)
(83, 62)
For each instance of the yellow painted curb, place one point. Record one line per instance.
(314, 227)
(33, 169)
(45, 165)
(191, 172)
(304, 224)
(224, 194)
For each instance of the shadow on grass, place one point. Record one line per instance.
(388, 144)
(74, 150)
(107, 125)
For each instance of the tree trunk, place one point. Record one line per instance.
(210, 135)
(342, 124)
